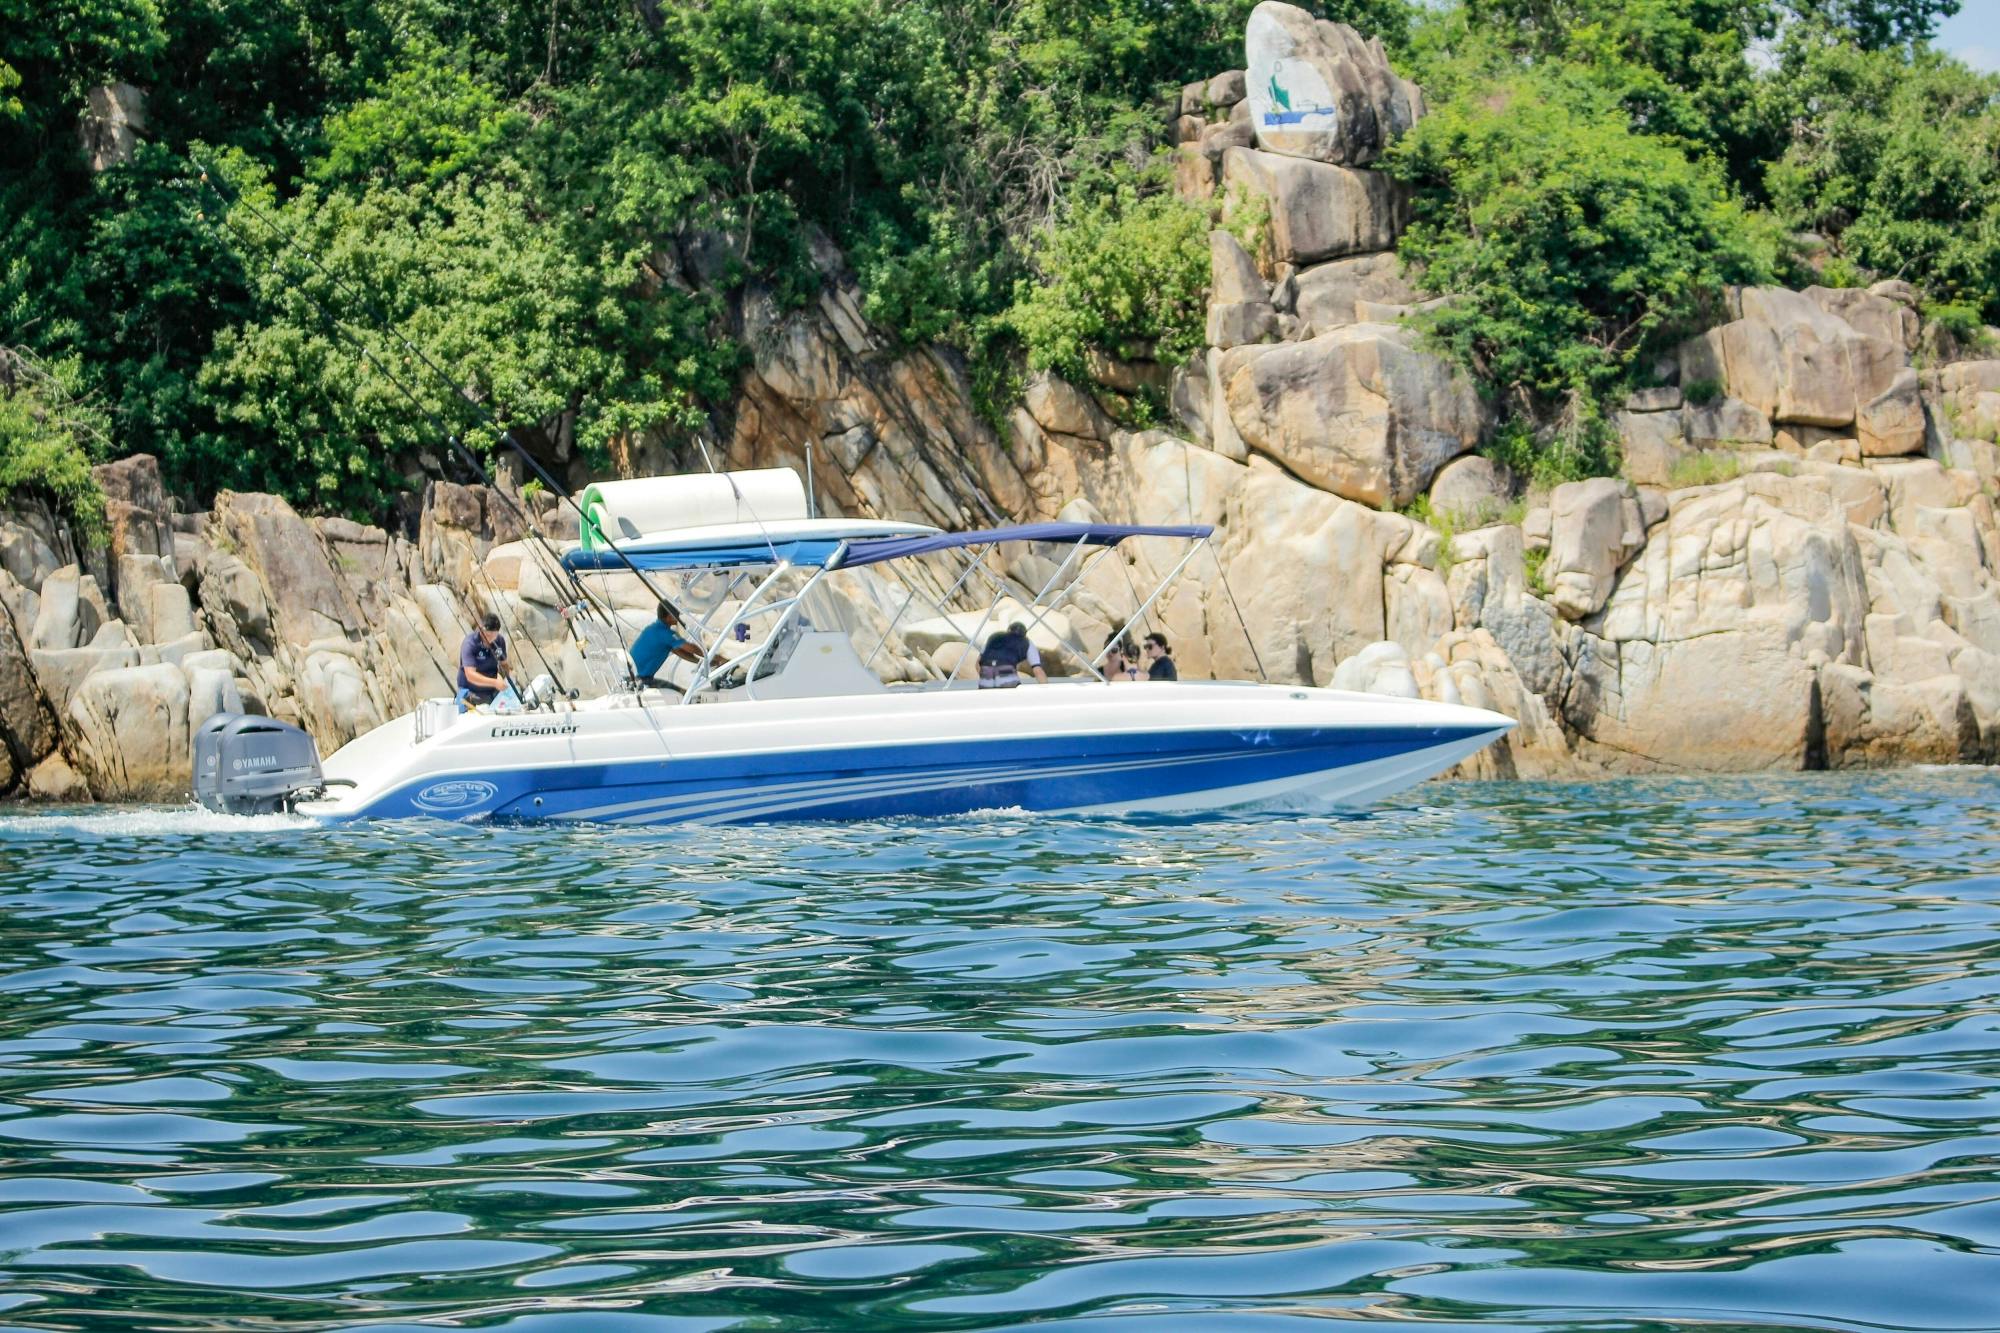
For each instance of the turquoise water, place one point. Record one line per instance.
(1679, 1054)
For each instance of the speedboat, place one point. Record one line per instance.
(786, 716)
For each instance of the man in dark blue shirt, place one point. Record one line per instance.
(1160, 660)
(657, 642)
(482, 664)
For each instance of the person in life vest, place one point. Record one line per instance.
(1005, 653)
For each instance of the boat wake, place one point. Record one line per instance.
(146, 822)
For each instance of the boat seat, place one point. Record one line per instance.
(604, 657)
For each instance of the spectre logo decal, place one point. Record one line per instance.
(458, 794)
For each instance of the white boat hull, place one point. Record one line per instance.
(1081, 747)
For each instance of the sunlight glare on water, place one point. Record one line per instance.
(1643, 1055)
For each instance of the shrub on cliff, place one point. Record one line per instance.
(1121, 274)
(1894, 156)
(522, 324)
(1571, 245)
(49, 437)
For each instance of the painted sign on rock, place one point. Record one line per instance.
(1321, 90)
(1291, 105)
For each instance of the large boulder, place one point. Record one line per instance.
(1652, 446)
(129, 733)
(336, 696)
(27, 727)
(1594, 528)
(31, 542)
(233, 597)
(1793, 361)
(1704, 656)
(1061, 408)
(1868, 721)
(54, 779)
(1479, 674)
(136, 513)
(1970, 391)
(1318, 89)
(60, 672)
(1871, 313)
(134, 577)
(1308, 568)
(1416, 605)
(1723, 421)
(1379, 668)
(367, 561)
(307, 600)
(1318, 210)
(1359, 412)
(1328, 294)
(72, 612)
(1470, 489)
(1892, 423)
(1239, 305)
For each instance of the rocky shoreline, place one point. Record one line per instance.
(1796, 570)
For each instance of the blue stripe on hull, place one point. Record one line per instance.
(1032, 773)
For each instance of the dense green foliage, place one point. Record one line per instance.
(553, 200)
(1127, 275)
(512, 187)
(1595, 171)
(49, 438)
(1901, 170)
(1572, 245)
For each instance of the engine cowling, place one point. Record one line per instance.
(250, 765)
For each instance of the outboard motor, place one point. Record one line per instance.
(250, 765)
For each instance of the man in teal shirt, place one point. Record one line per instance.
(657, 642)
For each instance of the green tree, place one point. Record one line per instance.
(1876, 25)
(1895, 157)
(49, 437)
(1570, 245)
(1678, 69)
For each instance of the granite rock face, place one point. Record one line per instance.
(1793, 360)
(1359, 411)
(1318, 210)
(1594, 528)
(1471, 490)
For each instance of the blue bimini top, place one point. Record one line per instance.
(1090, 534)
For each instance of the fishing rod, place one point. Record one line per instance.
(503, 434)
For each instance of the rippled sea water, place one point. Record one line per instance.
(1676, 1054)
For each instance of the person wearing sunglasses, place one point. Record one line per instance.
(1159, 659)
(1118, 659)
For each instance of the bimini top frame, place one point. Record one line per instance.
(826, 546)
(806, 542)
